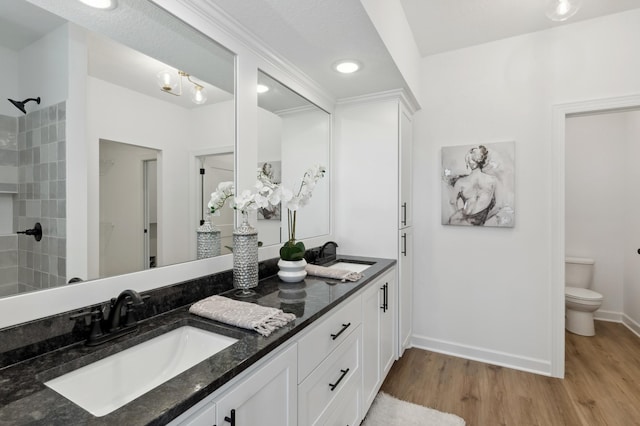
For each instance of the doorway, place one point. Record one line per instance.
(558, 252)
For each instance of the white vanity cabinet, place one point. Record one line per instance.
(372, 163)
(378, 335)
(267, 396)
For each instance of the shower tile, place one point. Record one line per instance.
(53, 171)
(62, 209)
(62, 190)
(62, 267)
(62, 131)
(62, 111)
(8, 289)
(62, 169)
(8, 157)
(9, 174)
(44, 135)
(9, 258)
(21, 124)
(53, 133)
(8, 187)
(8, 242)
(52, 268)
(52, 116)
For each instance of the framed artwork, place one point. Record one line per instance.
(478, 185)
(272, 170)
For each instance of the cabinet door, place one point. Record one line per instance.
(405, 288)
(268, 397)
(388, 343)
(406, 145)
(371, 308)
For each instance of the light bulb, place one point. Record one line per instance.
(167, 80)
(198, 95)
(101, 4)
(261, 88)
(561, 10)
(347, 66)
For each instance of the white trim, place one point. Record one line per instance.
(557, 243)
(531, 365)
(631, 324)
(610, 316)
(396, 94)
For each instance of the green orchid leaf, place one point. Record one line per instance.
(292, 251)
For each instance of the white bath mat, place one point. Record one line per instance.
(389, 411)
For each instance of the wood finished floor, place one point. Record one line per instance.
(601, 385)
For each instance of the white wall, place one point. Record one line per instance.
(9, 81)
(485, 293)
(596, 184)
(631, 207)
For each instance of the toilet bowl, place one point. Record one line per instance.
(580, 302)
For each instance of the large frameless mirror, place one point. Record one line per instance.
(293, 135)
(134, 126)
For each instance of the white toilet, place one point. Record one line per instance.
(581, 302)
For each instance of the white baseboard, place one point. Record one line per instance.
(620, 317)
(517, 362)
(608, 316)
(631, 325)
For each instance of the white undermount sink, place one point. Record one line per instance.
(349, 266)
(108, 384)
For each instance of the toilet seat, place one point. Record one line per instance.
(585, 294)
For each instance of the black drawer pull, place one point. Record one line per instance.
(231, 419)
(334, 385)
(344, 327)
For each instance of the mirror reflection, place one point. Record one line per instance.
(293, 135)
(124, 123)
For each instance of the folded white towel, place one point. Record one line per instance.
(262, 319)
(337, 274)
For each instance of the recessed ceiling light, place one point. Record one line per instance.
(347, 66)
(261, 88)
(101, 4)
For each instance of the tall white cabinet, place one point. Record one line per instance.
(372, 191)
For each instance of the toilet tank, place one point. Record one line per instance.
(578, 272)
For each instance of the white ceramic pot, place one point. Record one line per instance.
(292, 271)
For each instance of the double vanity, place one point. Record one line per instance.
(178, 368)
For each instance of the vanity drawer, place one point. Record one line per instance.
(326, 336)
(345, 411)
(331, 383)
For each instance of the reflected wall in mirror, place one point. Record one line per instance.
(99, 80)
(293, 135)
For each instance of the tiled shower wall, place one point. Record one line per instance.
(42, 198)
(8, 191)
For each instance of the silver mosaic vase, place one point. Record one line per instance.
(209, 242)
(245, 258)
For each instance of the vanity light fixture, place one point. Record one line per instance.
(561, 10)
(101, 4)
(347, 66)
(169, 81)
(262, 88)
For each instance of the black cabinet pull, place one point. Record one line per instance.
(344, 327)
(231, 419)
(404, 244)
(334, 385)
(404, 214)
(385, 297)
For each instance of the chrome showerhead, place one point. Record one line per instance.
(20, 104)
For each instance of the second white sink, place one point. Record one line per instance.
(349, 266)
(108, 384)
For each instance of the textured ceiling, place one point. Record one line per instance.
(442, 25)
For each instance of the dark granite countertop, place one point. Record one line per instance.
(25, 399)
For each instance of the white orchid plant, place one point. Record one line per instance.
(266, 193)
